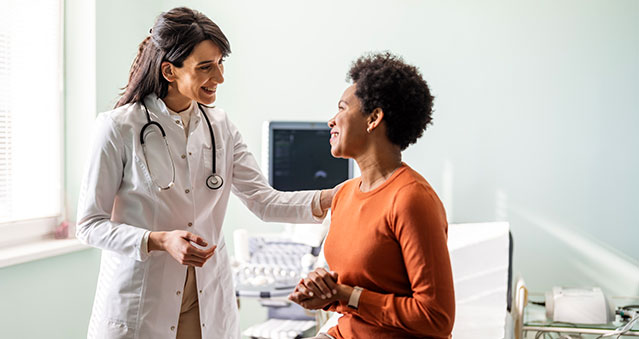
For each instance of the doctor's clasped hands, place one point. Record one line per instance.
(179, 245)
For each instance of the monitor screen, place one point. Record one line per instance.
(299, 157)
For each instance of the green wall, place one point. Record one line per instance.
(535, 113)
(49, 298)
(120, 27)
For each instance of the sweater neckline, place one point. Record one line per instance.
(398, 171)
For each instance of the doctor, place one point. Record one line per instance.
(155, 205)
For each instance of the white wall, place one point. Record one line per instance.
(536, 108)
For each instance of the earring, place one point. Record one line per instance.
(368, 130)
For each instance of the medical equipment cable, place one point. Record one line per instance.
(624, 312)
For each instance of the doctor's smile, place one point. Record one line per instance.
(209, 90)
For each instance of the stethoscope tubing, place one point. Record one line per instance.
(213, 181)
(166, 144)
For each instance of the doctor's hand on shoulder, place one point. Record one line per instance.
(326, 196)
(179, 245)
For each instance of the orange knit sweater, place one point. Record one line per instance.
(392, 242)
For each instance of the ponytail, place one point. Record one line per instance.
(172, 39)
(131, 92)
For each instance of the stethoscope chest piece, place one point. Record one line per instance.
(214, 181)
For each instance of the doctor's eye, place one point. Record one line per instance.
(205, 68)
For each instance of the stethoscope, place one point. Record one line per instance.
(214, 181)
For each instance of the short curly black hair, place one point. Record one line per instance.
(384, 80)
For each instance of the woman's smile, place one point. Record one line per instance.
(334, 135)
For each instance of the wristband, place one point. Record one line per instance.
(353, 301)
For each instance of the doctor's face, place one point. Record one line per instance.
(201, 72)
(348, 126)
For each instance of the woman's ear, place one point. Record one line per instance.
(375, 118)
(168, 71)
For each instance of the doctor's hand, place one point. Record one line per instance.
(178, 245)
(326, 197)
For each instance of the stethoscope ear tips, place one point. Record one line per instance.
(214, 181)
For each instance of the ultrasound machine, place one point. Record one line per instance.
(296, 156)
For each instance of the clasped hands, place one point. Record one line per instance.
(180, 245)
(319, 289)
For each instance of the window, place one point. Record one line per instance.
(31, 123)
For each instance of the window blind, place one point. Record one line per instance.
(5, 117)
(31, 122)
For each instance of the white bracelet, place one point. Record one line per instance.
(353, 300)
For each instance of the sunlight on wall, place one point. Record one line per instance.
(603, 264)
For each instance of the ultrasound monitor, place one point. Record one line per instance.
(298, 157)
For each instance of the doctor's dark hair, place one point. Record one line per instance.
(384, 81)
(173, 38)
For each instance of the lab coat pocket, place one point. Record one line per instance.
(123, 295)
(230, 318)
(142, 172)
(156, 165)
(207, 159)
(115, 329)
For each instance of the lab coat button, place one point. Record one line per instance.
(187, 191)
(172, 328)
(177, 122)
(190, 153)
(178, 293)
(190, 224)
(183, 156)
(200, 291)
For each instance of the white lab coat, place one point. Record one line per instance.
(139, 294)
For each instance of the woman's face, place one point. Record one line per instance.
(200, 74)
(348, 126)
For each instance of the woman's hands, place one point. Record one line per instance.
(319, 283)
(178, 245)
(319, 289)
(309, 303)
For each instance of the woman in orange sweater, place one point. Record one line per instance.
(387, 244)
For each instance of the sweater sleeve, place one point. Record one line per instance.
(419, 224)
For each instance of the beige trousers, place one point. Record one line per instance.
(189, 322)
